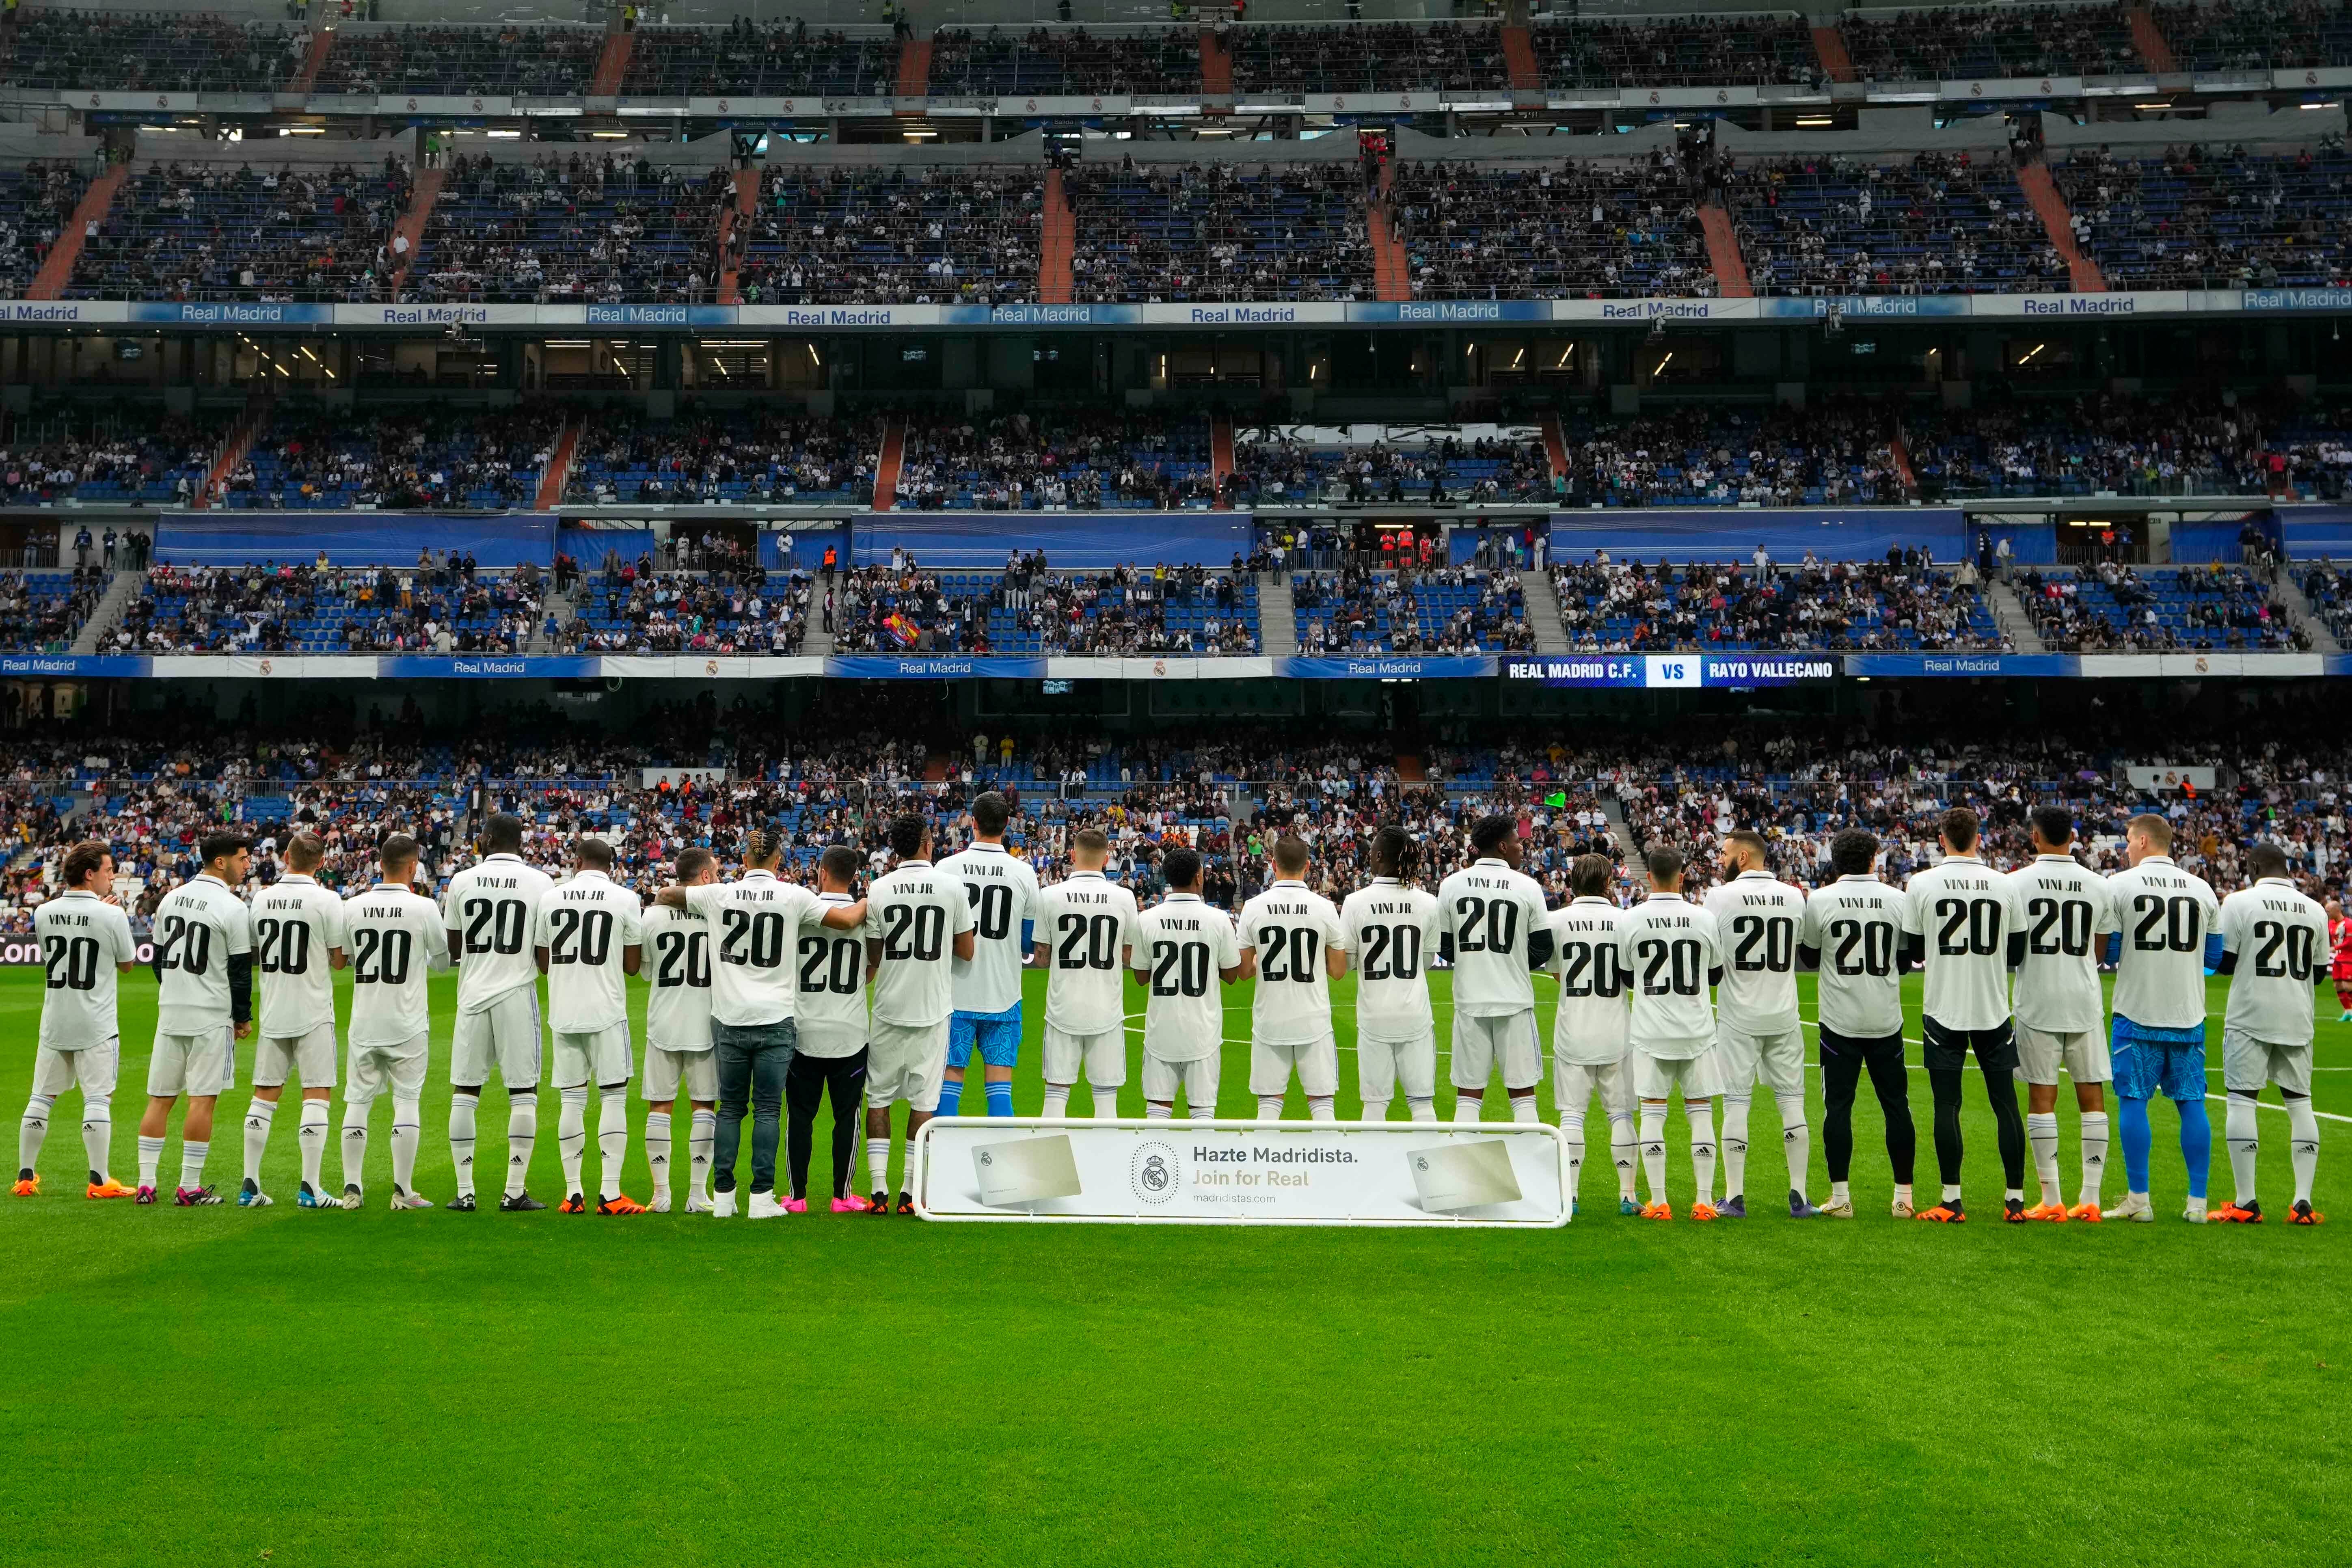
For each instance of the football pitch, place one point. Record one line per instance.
(288, 1387)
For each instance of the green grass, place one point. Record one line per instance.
(198, 1386)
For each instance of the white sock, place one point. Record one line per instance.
(461, 1141)
(2302, 1132)
(2245, 1143)
(1523, 1107)
(1653, 1150)
(1105, 1103)
(151, 1155)
(571, 1135)
(1269, 1108)
(1796, 1141)
(1951, 1192)
(33, 1131)
(522, 1131)
(878, 1164)
(1421, 1107)
(97, 1135)
(1702, 1130)
(1467, 1108)
(701, 1140)
(2095, 1153)
(611, 1139)
(1322, 1107)
(354, 1144)
(1571, 1126)
(1057, 1101)
(1153, 1110)
(192, 1161)
(657, 1147)
(1375, 1111)
(1734, 1149)
(1621, 1144)
(1838, 1193)
(2042, 1132)
(1206, 1112)
(310, 1137)
(258, 1118)
(1902, 1191)
(407, 1131)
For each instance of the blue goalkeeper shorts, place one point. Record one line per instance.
(2149, 1062)
(998, 1035)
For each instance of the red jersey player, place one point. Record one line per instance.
(2340, 940)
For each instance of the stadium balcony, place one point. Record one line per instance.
(735, 455)
(1064, 62)
(1689, 51)
(1834, 605)
(748, 59)
(2127, 609)
(1934, 223)
(41, 612)
(1837, 455)
(204, 231)
(1157, 233)
(585, 228)
(395, 458)
(500, 60)
(36, 201)
(115, 454)
(1033, 610)
(912, 235)
(1949, 43)
(2214, 220)
(675, 612)
(1054, 462)
(105, 51)
(287, 608)
(1574, 231)
(1452, 609)
(2256, 35)
(2117, 448)
(1306, 465)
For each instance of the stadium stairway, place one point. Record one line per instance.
(1057, 242)
(1392, 265)
(2042, 191)
(1216, 67)
(613, 64)
(747, 202)
(240, 440)
(1723, 252)
(558, 610)
(559, 465)
(1829, 49)
(1900, 456)
(1519, 56)
(107, 614)
(2300, 613)
(2149, 41)
(56, 267)
(2008, 611)
(1221, 458)
(1277, 617)
(915, 67)
(1543, 613)
(886, 468)
(421, 198)
(1555, 442)
(314, 60)
(1618, 831)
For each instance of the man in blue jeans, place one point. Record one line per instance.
(755, 923)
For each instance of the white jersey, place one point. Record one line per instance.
(82, 939)
(296, 924)
(1086, 925)
(199, 927)
(1490, 910)
(487, 907)
(677, 967)
(1857, 925)
(1668, 947)
(2165, 915)
(1390, 935)
(756, 923)
(1002, 892)
(1964, 912)
(1182, 946)
(396, 938)
(2067, 914)
(2281, 939)
(1290, 927)
(1589, 1028)
(587, 924)
(832, 976)
(916, 913)
(1759, 919)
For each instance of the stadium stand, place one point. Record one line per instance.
(2122, 608)
(41, 611)
(1220, 232)
(1453, 609)
(1952, 42)
(1688, 51)
(740, 454)
(1064, 61)
(1380, 57)
(291, 607)
(74, 50)
(576, 228)
(1835, 455)
(1900, 607)
(36, 200)
(929, 234)
(742, 611)
(1288, 465)
(1029, 609)
(406, 457)
(1933, 224)
(2211, 219)
(1577, 231)
(501, 60)
(185, 231)
(1080, 462)
(105, 454)
(2256, 35)
(2329, 587)
(783, 60)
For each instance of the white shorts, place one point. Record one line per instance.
(604, 1057)
(2248, 1063)
(1775, 1061)
(1103, 1056)
(1382, 1064)
(1573, 1085)
(665, 1070)
(1511, 1041)
(505, 1035)
(2084, 1053)
(312, 1057)
(193, 1065)
(1318, 1063)
(1656, 1078)
(906, 1061)
(1198, 1079)
(373, 1066)
(94, 1068)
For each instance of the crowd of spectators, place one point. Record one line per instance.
(2116, 608)
(2256, 35)
(498, 59)
(1760, 50)
(1288, 465)
(1840, 454)
(400, 458)
(2328, 588)
(1084, 461)
(207, 231)
(445, 604)
(1156, 233)
(581, 228)
(1030, 608)
(2123, 446)
(1443, 610)
(1905, 604)
(1937, 223)
(36, 201)
(107, 454)
(41, 611)
(2214, 218)
(1579, 229)
(73, 49)
(749, 60)
(1954, 42)
(721, 604)
(735, 455)
(937, 235)
(1073, 62)
(1366, 56)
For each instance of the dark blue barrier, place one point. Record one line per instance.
(1732, 533)
(350, 538)
(980, 540)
